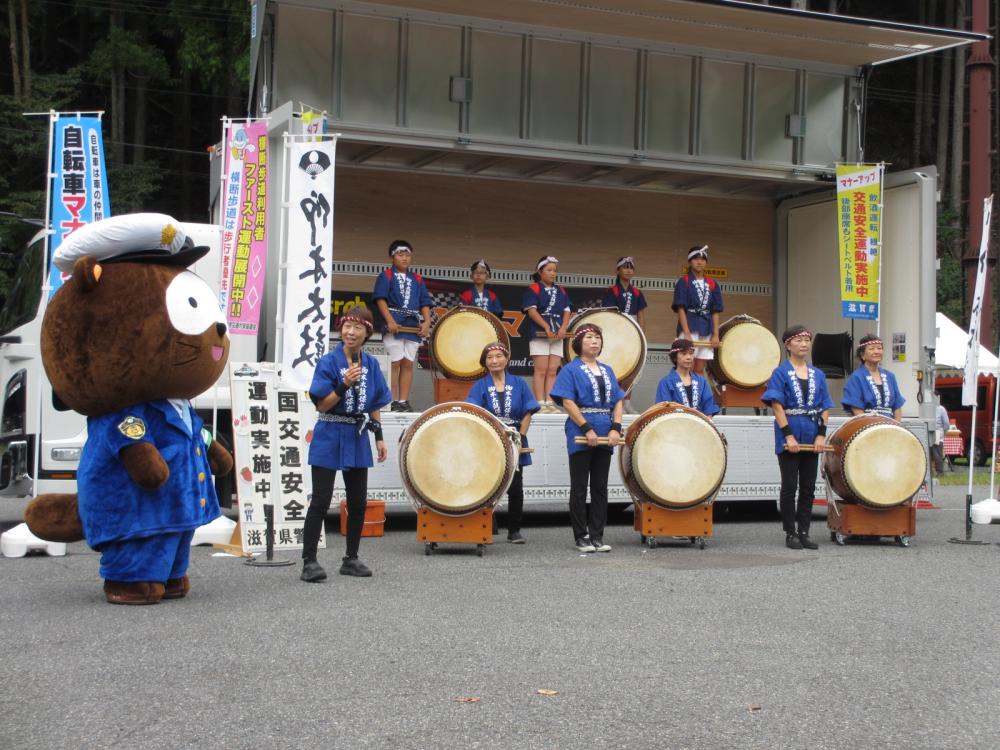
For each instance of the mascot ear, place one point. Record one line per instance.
(86, 273)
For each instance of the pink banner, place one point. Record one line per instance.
(246, 230)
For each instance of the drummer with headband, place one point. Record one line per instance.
(800, 400)
(871, 388)
(478, 295)
(548, 308)
(589, 392)
(402, 298)
(509, 399)
(684, 386)
(623, 295)
(698, 302)
(348, 390)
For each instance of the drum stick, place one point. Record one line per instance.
(582, 440)
(810, 448)
(706, 344)
(527, 450)
(408, 329)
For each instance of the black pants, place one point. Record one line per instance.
(515, 502)
(797, 469)
(356, 484)
(937, 453)
(591, 466)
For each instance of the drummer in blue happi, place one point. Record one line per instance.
(510, 400)
(684, 386)
(871, 388)
(801, 402)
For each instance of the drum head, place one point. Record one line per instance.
(679, 459)
(748, 355)
(455, 461)
(885, 465)
(624, 345)
(458, 340)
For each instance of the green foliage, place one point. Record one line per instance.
(127, 51)
(950, 281)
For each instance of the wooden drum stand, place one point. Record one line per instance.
(852, 519)
(434, 528)
(652, 521)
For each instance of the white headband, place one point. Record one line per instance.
(402, 249)
(481, 264)
(703, 250)
(545, 261)
(628, 260)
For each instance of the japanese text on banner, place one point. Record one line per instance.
(244, 225)
(79, 185)
(859, 216)
(272, 428)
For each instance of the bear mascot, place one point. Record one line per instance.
(127, 341)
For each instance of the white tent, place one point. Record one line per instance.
(950, 348)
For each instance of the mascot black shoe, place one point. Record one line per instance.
(127, 341)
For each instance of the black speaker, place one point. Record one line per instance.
(833, 354)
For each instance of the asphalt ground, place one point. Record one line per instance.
(745, 644)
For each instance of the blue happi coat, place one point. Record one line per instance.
(509, 407)
(699, 301)
(861, 392)
(343, 445)
(550, 301)
(803, 409)
(576, 382)
(488, 300)
(671, 388)
(405, 294)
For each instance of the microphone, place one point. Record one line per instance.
(355, 360)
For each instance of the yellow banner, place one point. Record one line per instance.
(859, 214)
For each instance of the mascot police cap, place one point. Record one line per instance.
(156, 238)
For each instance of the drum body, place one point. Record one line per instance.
(747, 354)
(876, 462)
(458, 339)
(624, 343)
(457, 458)
(673, 456)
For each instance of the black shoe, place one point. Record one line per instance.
(600, 546)
(583, 544)
(352, 566)
(312, 572)
(806, 542)
(396, 406)
(514, 537)
(405, 406)
(792, 541)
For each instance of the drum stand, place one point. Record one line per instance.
(731, 396)
(850, 519)
(475, 528)
(652, 521)
(446, 389)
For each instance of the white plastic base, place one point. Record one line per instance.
(19, 541)
(219, 531)
(985, 511)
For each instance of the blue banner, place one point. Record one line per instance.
(79, 182)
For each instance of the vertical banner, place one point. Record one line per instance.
(971, 378)
(272, 428)
(314, 123)
(244, 225)
(79, 181)
(308, 260)
(859, 214)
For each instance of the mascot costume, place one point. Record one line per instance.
(126, 342)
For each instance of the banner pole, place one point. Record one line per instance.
(279, 309)
(879, 244)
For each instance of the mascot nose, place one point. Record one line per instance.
(221, 329)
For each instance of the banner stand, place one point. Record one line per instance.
(269, 560)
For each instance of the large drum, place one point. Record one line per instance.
(624, 343)
(747, 354)
(458, 339)
(673, 456)
(457, 458)
(875, 462)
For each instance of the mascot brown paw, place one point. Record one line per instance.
(220, 461)
(133, 592)
(54, 518)
(177, 588)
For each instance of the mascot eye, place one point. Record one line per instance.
(192, 305)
